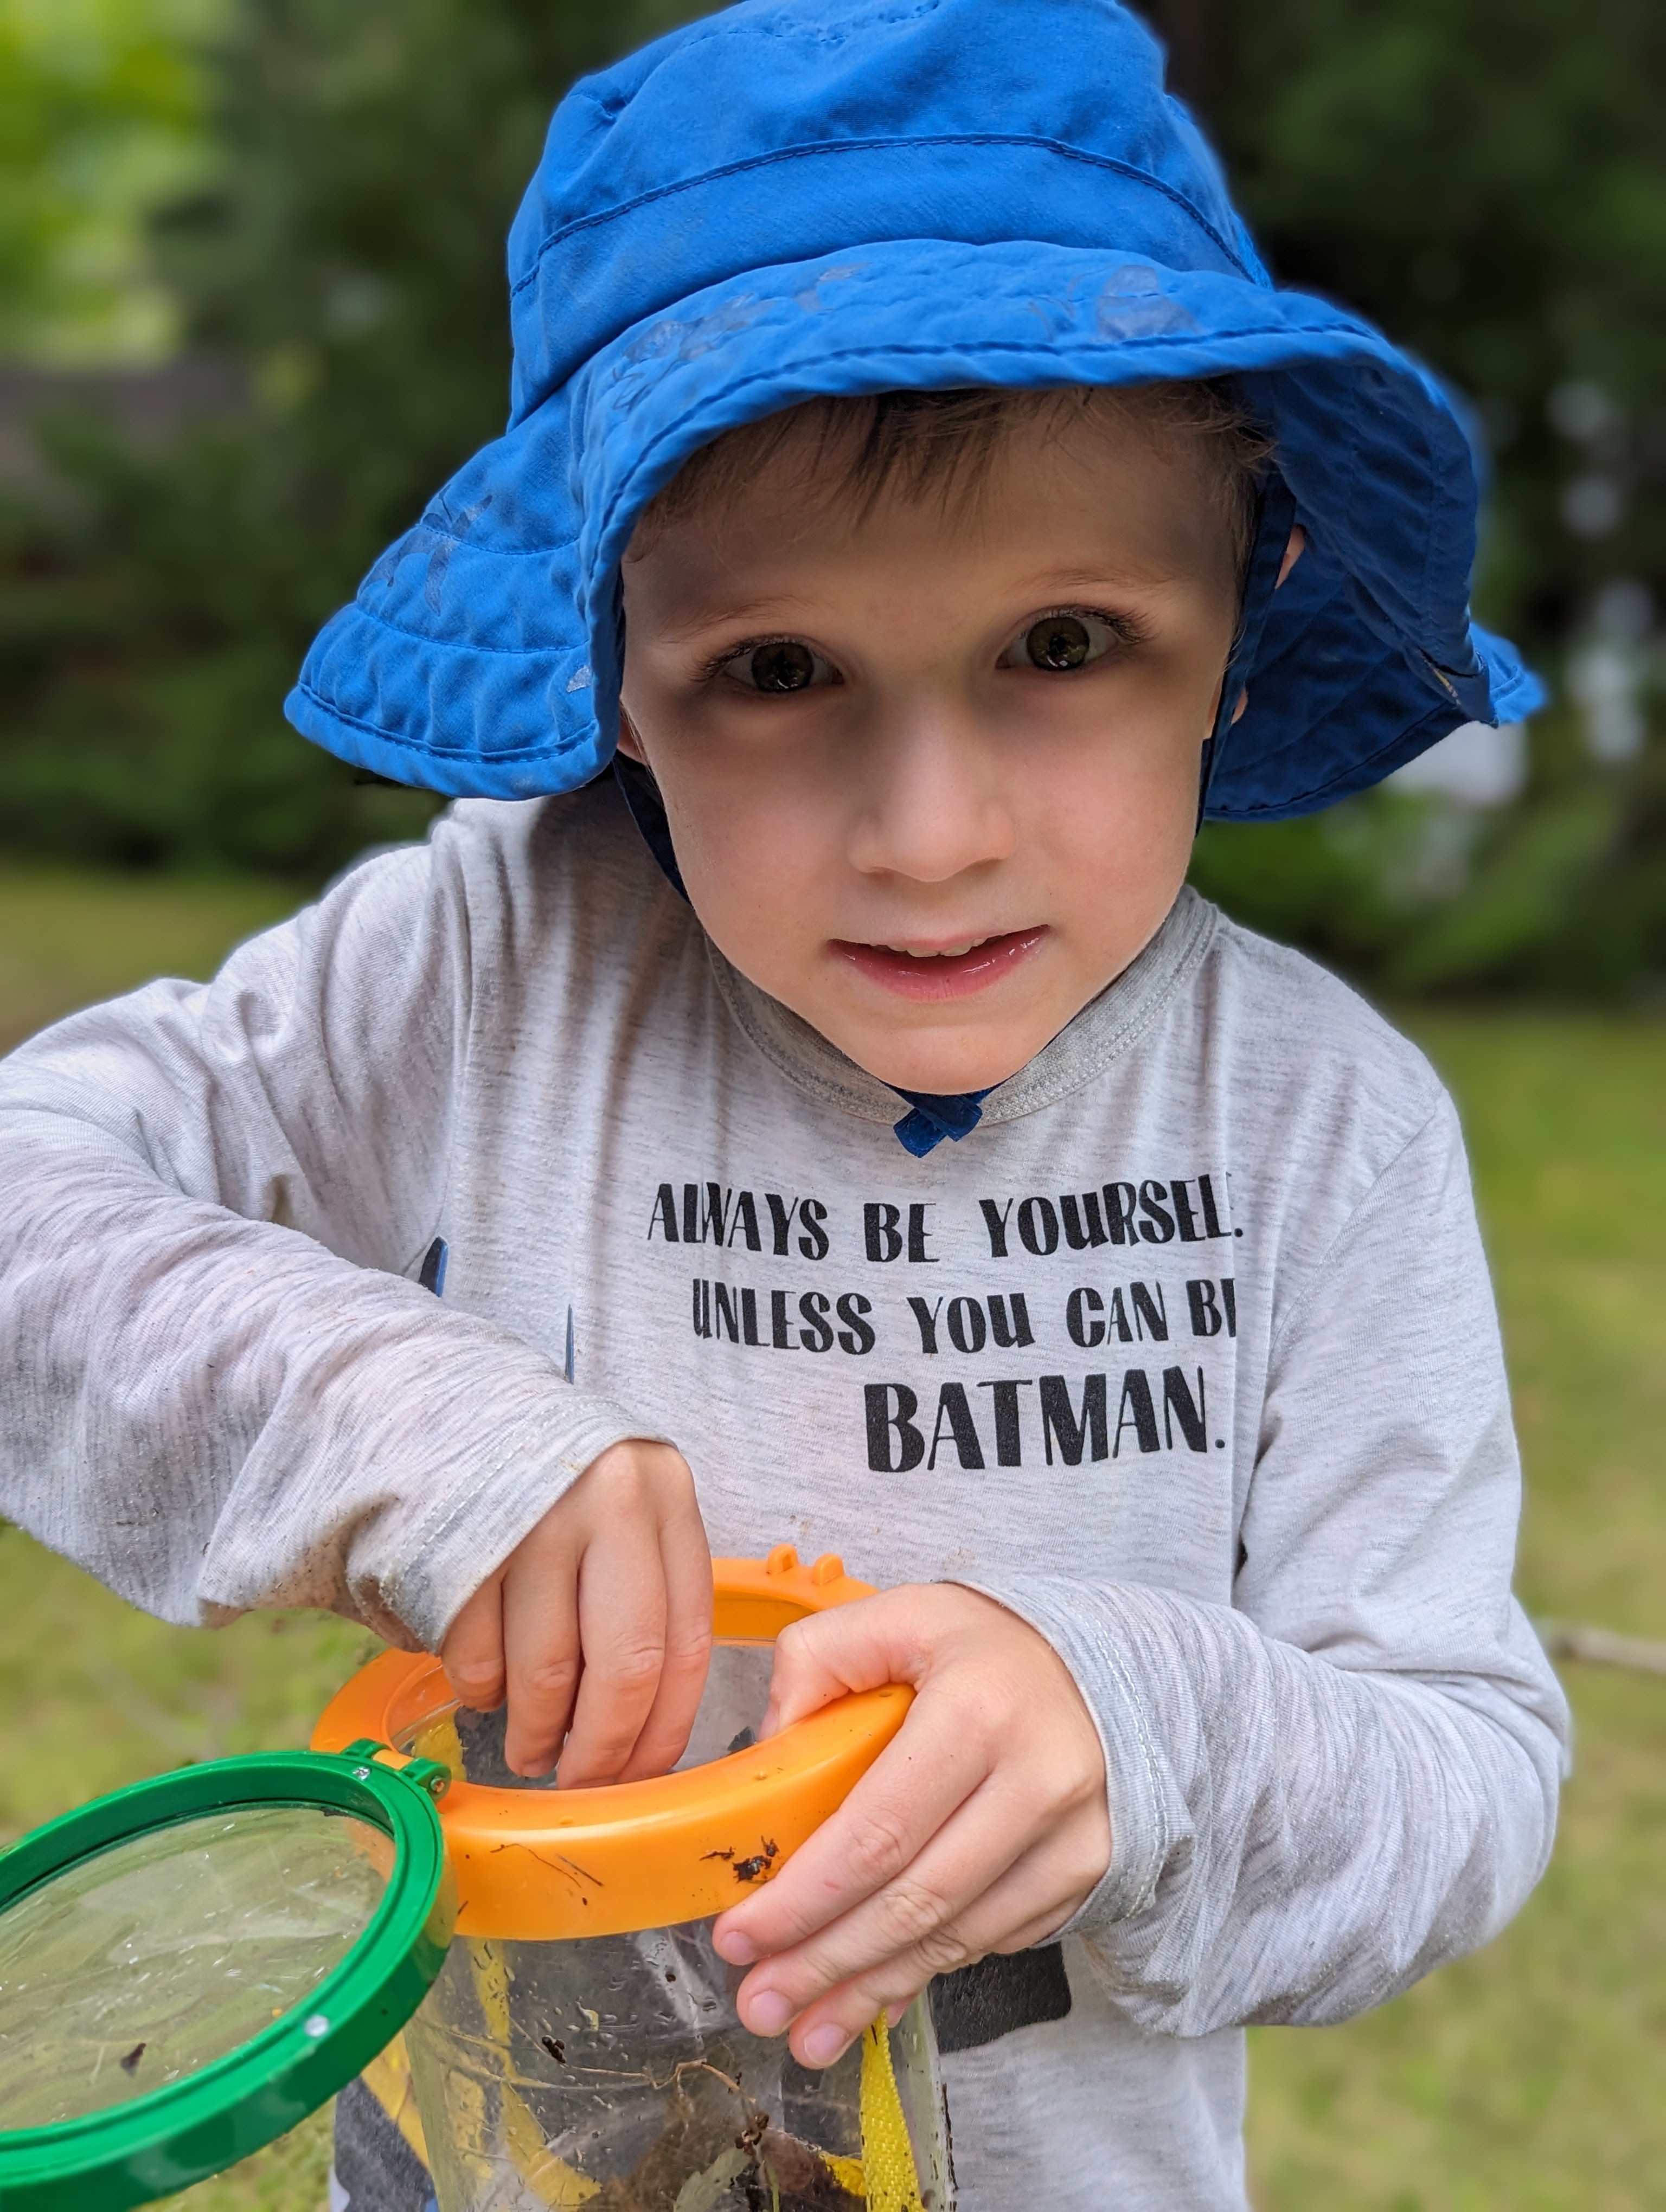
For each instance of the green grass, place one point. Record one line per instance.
(68, 938)
(1531, 2078)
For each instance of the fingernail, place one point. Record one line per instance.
(737, 1947)
(824, 2045)
(767, 2013)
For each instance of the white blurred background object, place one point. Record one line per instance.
(1607, 675)
(1477, 765)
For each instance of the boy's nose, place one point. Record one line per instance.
(932, 801)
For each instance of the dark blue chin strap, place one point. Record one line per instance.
(937, 1115)
(1274, 521)
(647, 811)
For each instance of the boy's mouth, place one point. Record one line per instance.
(954, 969)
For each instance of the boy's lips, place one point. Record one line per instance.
(924, 973)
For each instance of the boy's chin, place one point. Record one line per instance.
(941, 1065)
(930, 1051)
(940, 1050)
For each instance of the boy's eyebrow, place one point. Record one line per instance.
(1053, 581)
(716, 617)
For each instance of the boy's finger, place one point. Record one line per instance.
(686, 1562)
(543, 1657)
(622, 1628)
(1001, 1919)
(855, 1647)
(920, 1913)
(920, 1782)
(471, 1652)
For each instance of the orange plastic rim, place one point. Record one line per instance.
(540, 1866)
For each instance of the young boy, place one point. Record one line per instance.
(914, 474)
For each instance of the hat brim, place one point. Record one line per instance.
(482, 655)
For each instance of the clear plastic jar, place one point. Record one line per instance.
(612, 2071)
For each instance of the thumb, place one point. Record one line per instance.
(860, 1646)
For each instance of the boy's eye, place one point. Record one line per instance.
(779, 666)
(785, 667)
(1059, 643)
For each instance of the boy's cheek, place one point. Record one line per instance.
(757, 878)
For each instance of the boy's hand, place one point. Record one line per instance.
(981, 1827)
(599, 1621)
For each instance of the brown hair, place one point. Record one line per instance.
(940, 445)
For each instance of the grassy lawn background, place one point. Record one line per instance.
(1531, 2078)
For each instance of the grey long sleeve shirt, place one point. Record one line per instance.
(1187, 1354)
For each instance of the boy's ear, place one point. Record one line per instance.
(629, 743)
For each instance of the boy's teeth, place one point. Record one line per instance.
(943, 953)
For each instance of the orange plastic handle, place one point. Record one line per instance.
(540, 1865)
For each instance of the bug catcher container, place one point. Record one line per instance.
(580, 2047)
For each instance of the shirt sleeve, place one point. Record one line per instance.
(218, 1389)
(1350, 1775)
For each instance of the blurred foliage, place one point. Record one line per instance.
(347, 250)
(1486, 178)
(1563, 892)
(101, 121)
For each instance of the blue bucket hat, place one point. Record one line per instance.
(796, 198)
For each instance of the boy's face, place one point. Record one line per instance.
(932, 770)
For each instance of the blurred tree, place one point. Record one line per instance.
(101, 109)
(348, 251)
(1487, 180)
(1191, 30)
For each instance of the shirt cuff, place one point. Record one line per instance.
(467, 1533)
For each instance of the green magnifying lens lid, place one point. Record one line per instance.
(191, 1966)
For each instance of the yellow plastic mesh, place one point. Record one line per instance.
(847, 2171)
(887, 2156)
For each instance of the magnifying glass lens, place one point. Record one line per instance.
(148, 1961)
